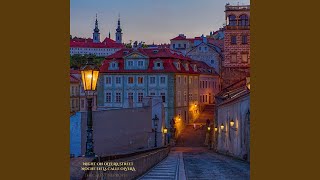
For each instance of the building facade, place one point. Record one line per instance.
(85, 46)
(205, 49)
(236, 63)
(132, 74)
(74, 94)
(233, 120)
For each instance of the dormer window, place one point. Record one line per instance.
(113, 65)
(125, 52)
(194, 67)
(155, 51)
(186, 66)
(178, 65)
(157, 64)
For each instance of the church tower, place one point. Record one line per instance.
(119, 32)
(96, 33)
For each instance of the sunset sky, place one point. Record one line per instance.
(150, 21)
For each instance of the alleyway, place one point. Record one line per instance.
(198, 163)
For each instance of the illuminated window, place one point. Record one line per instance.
(234, 58)
(140, 80)
(244, 58)
(130, 80)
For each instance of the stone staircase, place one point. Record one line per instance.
(191, 137)
(207, 113)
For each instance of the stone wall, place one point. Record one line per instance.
(234, 141)
(122, 130)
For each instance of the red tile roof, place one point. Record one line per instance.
(73, 79)
(167, 56)
(88, 43)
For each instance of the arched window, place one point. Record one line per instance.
(232, 20)
(244, 20)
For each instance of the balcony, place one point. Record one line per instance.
(237, 27)
(238, 8)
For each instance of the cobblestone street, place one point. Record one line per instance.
(200, 163)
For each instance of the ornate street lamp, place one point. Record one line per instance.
(165, 131)
(155, 123)
(89, 74)
(209, 128)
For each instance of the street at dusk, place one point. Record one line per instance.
(179, 109)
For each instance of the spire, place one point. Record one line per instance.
(109, 35)
(119, 32)
(96, 28)
(96, 34)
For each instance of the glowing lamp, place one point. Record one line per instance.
(231, 123)
(209, 128)
(215, 129)
(222, 126)
(89, 74)
(165, 130)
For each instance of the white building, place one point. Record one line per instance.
(85, 46)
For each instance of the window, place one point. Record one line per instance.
(244, 39)
(244, 58)
(179, 96)
(162, 80)
(206, 98)
(199, 48)
(140, 63)
(244, 20)
(233, 58)
(212, 61)
(232, 20)
(206, 84)
(130, 80)
(158, 64)
(140, 80)
(72, 90)
(72, 106)
(130, 97)
(118, 97)
(178, 65)
(118, 80)
(108, 80)
(185, 79)
(205, 48)
(163, 95)
(174, 46)
(185, 96)
(130, 63)
(108, 97)
(185, 45)
(179, 80)
(233, 39)
(152, 80)
(140, 96)
(179, 45)
(113, 64)
(190, 80)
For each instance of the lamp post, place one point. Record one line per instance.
(155, 123)
(89, 75)
(165, 131)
